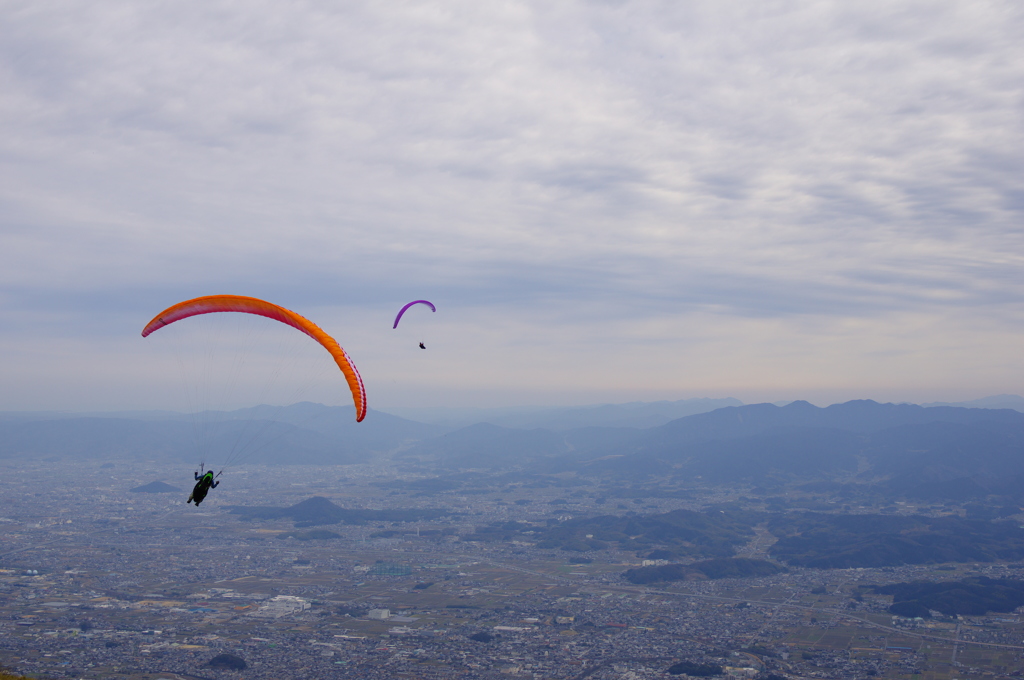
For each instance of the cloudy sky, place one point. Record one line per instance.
(607, 201)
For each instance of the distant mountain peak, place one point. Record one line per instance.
(314, 504)
(155, 487)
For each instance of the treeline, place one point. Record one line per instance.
(845, 541)
(971, 596)
(734, 567)
(807, 539)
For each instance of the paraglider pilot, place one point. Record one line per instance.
(202, 487)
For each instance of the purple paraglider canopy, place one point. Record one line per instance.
(414, 302)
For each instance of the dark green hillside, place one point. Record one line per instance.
(228, 662)
(972, 596)
(732, 567)
(951, 461)
(783, 456)
(844, 541)
(919, 450)
(806, 539)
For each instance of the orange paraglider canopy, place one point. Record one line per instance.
(249, 305)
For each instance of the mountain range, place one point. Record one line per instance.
(935, 452)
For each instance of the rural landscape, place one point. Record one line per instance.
(834, 553)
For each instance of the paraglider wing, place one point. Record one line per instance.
(414, 302)
(249, 305)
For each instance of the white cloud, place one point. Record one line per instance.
(578, 169)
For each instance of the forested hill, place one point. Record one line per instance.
(912, 448)
(860, 416)
(906, 446)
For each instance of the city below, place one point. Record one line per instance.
(104, 574)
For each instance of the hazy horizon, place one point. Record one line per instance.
(1011, 401)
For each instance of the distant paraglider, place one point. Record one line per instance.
(414, 302)
(248, 305)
